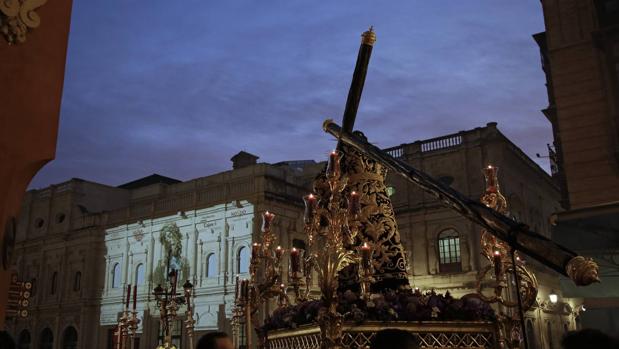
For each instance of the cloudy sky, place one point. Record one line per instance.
(178, 87)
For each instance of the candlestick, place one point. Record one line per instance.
(255, 250)
(295, 261)
(135, 296)
(310, 208)
(490, 172)
(497, 264)
(366, 254)
(354, 204)
(267, 219)
(333, 166)
(279, 251)
(236, 289)
(128, 296)
(244, 290)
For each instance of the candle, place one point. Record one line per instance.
(366, 253)
(174, 274)
(310, 208)
(490, 173)
(255, 251)
(279, 251)
(333, 166)
(128, 296)
(244, 290)
(354, 203)
(295, 261)
(236, 289)
(267, 219)
(497, 264)
(135, 296)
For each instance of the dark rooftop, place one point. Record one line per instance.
(148, 180)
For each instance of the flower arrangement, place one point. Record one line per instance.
(388, 305)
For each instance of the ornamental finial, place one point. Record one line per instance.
(369, 37)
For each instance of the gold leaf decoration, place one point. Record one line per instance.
(17, 17)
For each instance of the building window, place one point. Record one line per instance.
(69, 338)
(449, 251)
(52, 289)
(24, 340)
(77, 282)
(33, 290)
(46, 340)
(116, 276)
(211, 266)
(242, 260)
(139, 274)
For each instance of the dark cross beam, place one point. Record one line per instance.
(358, 79)
(517, 235)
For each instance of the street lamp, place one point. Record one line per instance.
(553, 297)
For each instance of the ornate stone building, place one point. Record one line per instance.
(84, 242)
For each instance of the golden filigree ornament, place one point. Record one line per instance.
(504, 270)
(17, 17)
(377, 223)
(583, 271)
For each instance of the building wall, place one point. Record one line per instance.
(580, 51)
(584, 85)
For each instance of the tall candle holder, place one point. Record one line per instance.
(169, 301)
(128, 322)
(265, 283)
(332, 226)
(508, 269)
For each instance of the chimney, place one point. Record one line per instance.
(243, 159)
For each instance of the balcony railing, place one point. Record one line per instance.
(396, 152)
(441, 143)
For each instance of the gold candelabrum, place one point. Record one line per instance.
(332, 225)
(511, 277)
(265, 283)
(169, 301)
(128, 322)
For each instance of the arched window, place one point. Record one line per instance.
(46, 340)
(77, 281)
(24, 340)
(139, 274)
(531, 335)
(242, 260)
(52, 288)
(69, 338)
(449, 251)
(116, 276)
(211, 266)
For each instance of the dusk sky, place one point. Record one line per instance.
(178, 87)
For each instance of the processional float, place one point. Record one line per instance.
(354, 254)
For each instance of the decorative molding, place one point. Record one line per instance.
(17, 17)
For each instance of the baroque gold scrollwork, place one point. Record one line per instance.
(17, 17)
(377, 219)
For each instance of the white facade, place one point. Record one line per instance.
(215, 242)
